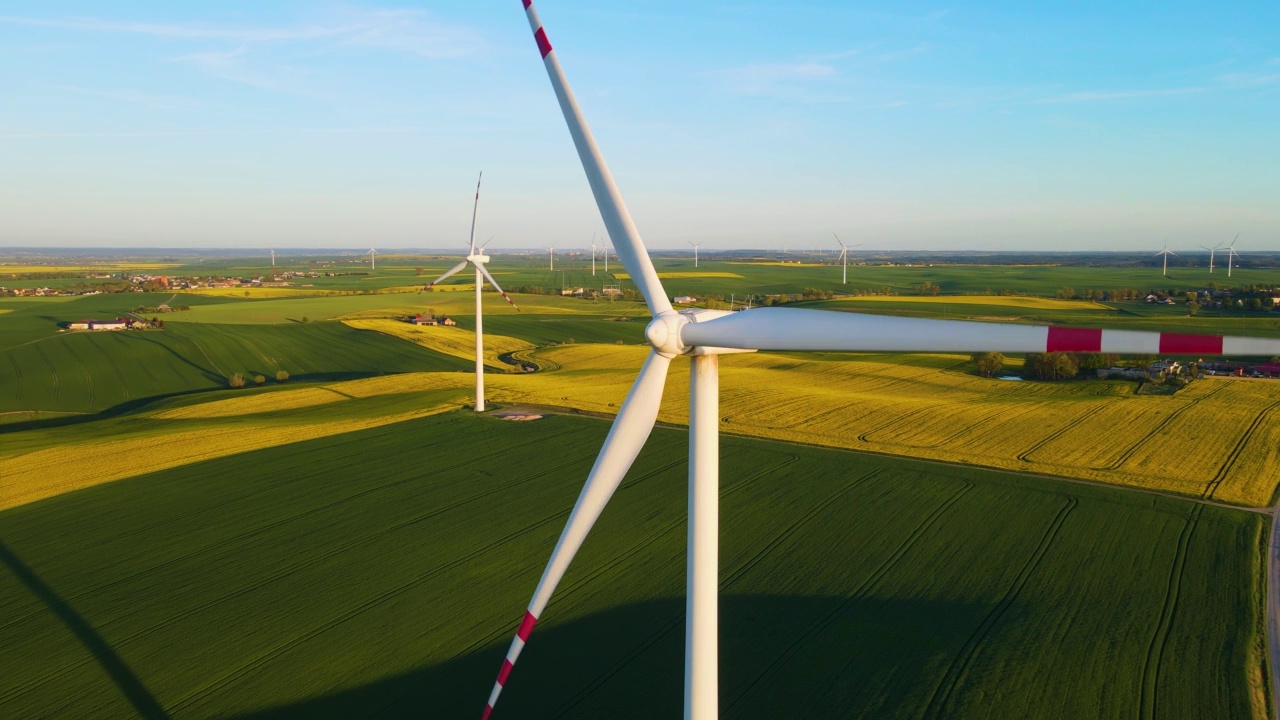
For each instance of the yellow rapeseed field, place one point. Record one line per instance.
(253, 404)
(1218, 438)
(45, 473)
(448, 340)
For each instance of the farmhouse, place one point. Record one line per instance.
(684, 299)
(117, 324)
(432, 320)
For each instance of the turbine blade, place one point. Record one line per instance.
(627, 436)
(613, 210)
(455, 269)
(494, 283)
(800, 329)
(475, 206)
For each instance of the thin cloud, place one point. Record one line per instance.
(1115, 95)
(152, 100)
(406, 31)
(773, 78)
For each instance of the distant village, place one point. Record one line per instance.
(142, 282)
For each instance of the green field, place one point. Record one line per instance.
(381, 573)
(90, 372)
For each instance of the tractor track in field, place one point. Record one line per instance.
(124, 381)
(990, 418)
(298, 640)
(563, 591)
(873, 579)
(17, 376)
(146, 370)
(225, 550)
(1155, 651)
(53, 372)
(269, 526)
(1133, 449)
(960, 665)
(863, 437)
(88, 377)
(1234, 455)
(678, 620)
(1025, 456)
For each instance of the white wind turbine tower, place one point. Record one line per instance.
(844, 259)
(373, 259)
(704, 335)
(1166, 252)
(593, 254)
(273, 258)
(476, 256)
(1231, 253)
(1211, 250)
(695, 251)
(552, 251)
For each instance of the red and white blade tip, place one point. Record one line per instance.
(522, 636)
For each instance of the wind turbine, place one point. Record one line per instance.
(552, 250)
(593, 254)
(373, 259)
(273, 258)
(1231, 253)
(1211, 250)
(476, 256)
(1166, 252)
(844, 259)
(695, 251)
(606, 258)
(706, 334)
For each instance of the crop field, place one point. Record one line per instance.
(89, 372)
(1208, 440)
(455, 341)
(382, 571)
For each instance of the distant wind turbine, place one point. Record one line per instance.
(844, 259)
(1166, 252)
(552, 251)
(593, 254)
(273, 258)
(476, 256)
(695, 252)
(1231, 253)
(373, 259)
(1211, 250)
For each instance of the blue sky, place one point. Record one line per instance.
(999, 125)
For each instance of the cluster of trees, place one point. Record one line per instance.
(237, 379)
(1060, 365)
(1116, 295)
(928, 288)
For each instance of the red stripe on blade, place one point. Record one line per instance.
(544, 45)
(1175, 344)
(527, 3)
(526, 626)
(488, 708)
(1074, 340)
(504, 673)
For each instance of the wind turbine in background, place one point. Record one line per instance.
(1211, 250)
(606, 258)
(1231, 253)
(844, 259)
(695, 251)
(552, 251)
(476, 256)
(273, 258)
(373, 259)
(593, 254)
(1166, 252)
(704, 335)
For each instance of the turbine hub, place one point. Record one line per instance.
(663, 333)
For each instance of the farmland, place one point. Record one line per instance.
(381, 571)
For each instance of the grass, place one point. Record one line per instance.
(383, 571)
(91, 372)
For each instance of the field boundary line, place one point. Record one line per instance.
(1155, 650)
(1212, 488)
(869, 582)
(955, 674)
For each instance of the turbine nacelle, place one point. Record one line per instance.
(665, 331)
